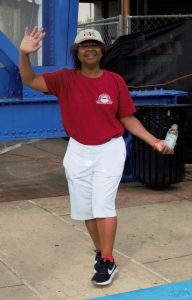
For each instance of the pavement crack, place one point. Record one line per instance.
(141, 265)
(11, 286)
(115, 250)
(23, 282)
(166, 259)
(61, 218)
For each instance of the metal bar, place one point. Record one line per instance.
(101, 20)
(160, 16)
(9, 59)
(124, 13)
(104, 24)
(16, 146)
(119, 27)
(10, 148)
(60, 23)
(9, 53)
(128, 25)
(30, 119)
(48, 14)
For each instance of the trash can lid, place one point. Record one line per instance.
(157, 92)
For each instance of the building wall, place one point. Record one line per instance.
(143, 7)
(86, 12)
(105, 9)
(170, 7)
(98, 10)
(113, 8)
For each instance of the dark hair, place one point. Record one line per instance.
(74, 54)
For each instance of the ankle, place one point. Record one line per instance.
(97, 251)
(110, 258)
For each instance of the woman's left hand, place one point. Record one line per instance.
(163, 148)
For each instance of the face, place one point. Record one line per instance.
(89, 53)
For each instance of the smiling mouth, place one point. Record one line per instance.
(91, 56)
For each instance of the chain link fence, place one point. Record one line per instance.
(136, 24)
(109, 28)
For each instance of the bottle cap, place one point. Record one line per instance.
(174, 126)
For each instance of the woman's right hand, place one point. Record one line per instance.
(31, 41)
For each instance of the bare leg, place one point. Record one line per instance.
(107, 230)
(93, 231)
(102, 232)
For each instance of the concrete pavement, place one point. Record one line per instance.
(46, 255)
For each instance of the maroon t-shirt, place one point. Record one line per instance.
(91, 107)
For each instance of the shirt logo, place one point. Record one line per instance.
(104, 99)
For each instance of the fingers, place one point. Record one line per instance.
(40, 34)
(168, 151)
(26, 32)
(36, 33)
(164, 149)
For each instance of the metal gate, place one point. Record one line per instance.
(110, 28)
(136, 24)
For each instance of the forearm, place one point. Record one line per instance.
(134, 126)
(25, 68)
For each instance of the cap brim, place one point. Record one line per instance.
(83, 39)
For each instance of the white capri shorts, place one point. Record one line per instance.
(93, 174)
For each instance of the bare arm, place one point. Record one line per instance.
(30, 44)
(134, 126)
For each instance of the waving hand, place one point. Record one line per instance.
(31, 41)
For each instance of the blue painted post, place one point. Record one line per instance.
(25, 113)
(60, 23)
(10, 80)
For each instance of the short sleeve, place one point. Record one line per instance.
(53, 81)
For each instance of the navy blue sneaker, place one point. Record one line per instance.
(105, 272)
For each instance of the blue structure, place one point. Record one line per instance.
(157, 96)
(25, 113)
(28, 114)
(171, 291)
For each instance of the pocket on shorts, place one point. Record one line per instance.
(114, 159)
(65, 163)
(75, 164)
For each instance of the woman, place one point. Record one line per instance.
(96, 107)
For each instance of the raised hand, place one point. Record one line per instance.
(31, 41)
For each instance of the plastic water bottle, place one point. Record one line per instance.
(171, 137)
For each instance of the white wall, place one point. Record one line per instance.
(86, 10)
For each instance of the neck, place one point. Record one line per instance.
(92, 72)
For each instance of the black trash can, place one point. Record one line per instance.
(188, 129)
(150, 167)
(128, 167)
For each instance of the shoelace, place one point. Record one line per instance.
(104, 266)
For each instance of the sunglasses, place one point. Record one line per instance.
(89, 45)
